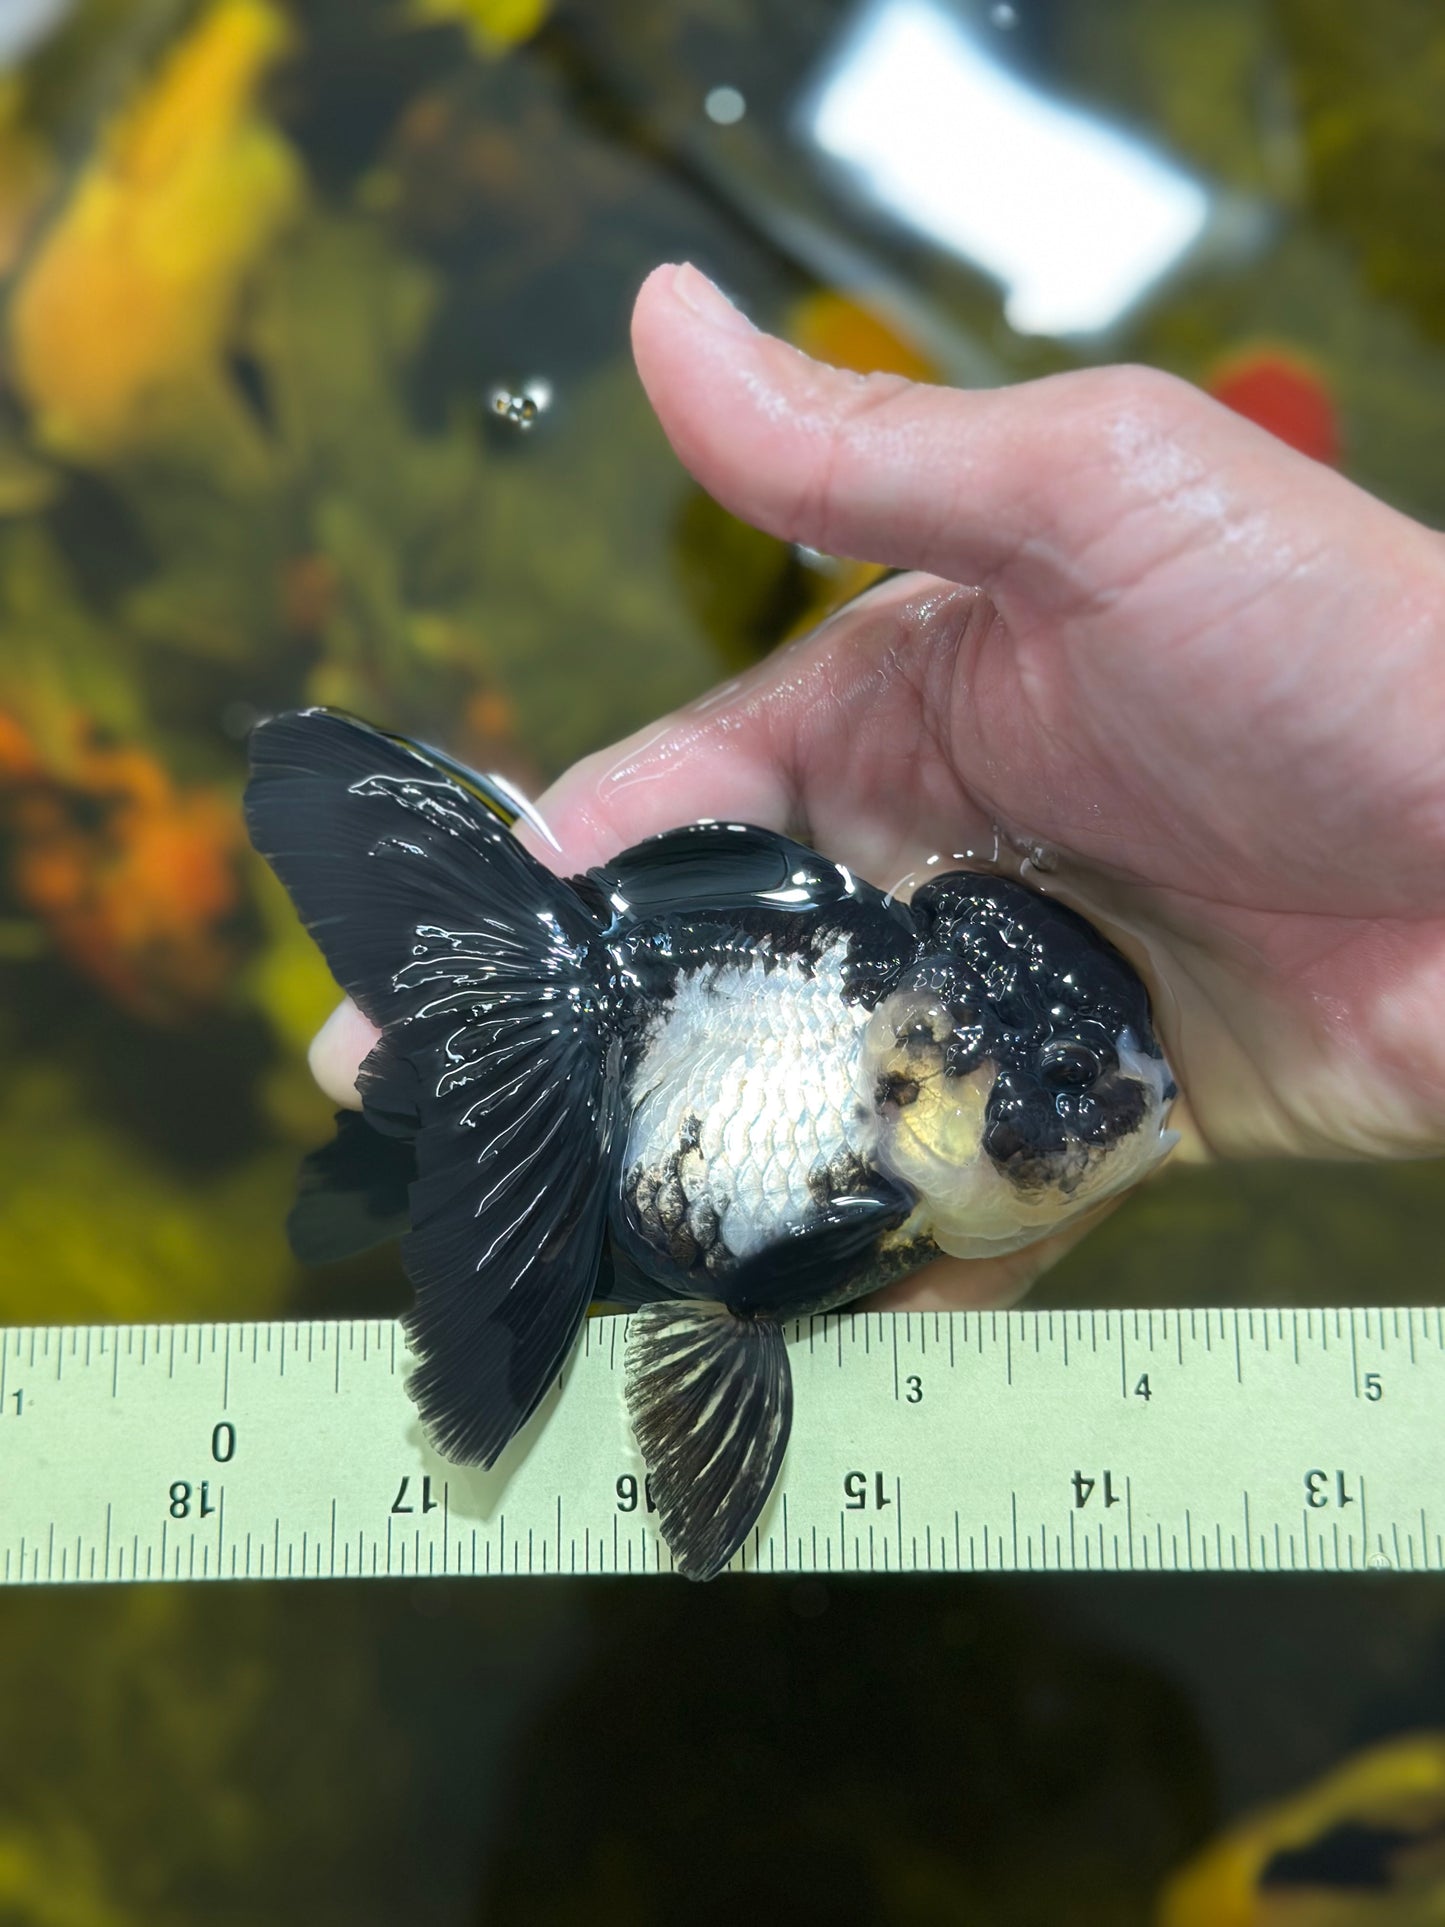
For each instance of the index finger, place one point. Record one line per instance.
(839, 739)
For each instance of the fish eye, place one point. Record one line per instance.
(1069, 1066)
(922, 1024)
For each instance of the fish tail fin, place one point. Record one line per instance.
(351, 1193)
(496, 1057)
(710, 1396)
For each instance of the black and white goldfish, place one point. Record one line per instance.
(719, 1079)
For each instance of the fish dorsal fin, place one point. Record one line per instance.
(471, 959)
(711, 1401)
(724, 866)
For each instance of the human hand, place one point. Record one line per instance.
(1202, 673)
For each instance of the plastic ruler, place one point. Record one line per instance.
(1249, 1440)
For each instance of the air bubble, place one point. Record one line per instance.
(724, 106)
(522, 407)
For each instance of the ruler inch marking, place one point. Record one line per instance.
(70, 1510)
(1129, 1515)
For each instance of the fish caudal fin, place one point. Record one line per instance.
(495, 1060)
(352, 1193)
(711, 1401)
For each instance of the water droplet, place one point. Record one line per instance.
(1003, 16)
(725, 106)
(524, 406)
(1380, 1563)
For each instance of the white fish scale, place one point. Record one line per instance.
(764, 1060)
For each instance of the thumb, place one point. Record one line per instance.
(1018, 490)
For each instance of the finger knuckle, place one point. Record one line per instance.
(1133, 390)
(871, 395)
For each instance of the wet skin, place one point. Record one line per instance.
(1206, 674)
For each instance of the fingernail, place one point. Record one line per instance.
(708, 301)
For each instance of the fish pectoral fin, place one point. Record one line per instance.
(711, 1401)
(351, 1194)
(810, 1264)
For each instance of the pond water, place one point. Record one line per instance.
(316, 388)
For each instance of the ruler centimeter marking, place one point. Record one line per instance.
(1178, 1441)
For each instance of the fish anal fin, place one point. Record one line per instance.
(710, 1396)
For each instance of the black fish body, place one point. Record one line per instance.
(733, 1074)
